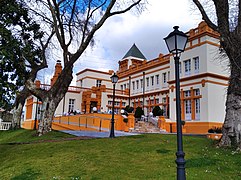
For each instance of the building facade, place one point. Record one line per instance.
(149, 83)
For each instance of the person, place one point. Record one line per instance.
(78, 111)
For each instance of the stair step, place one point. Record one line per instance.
(146, 127)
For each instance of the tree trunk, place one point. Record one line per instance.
(46, 116)
(51, 100)
(232, 123)
(18, 107)
(17, 114)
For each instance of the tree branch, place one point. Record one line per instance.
(239, 14)
(125, 10)
(106, 15)
(55, 23)
(69, 24)
(205, 16)
(222, 11)
(60, 24)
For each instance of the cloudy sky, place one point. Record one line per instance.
(147, 31)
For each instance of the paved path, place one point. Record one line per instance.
(98, 134)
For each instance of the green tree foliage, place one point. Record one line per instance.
(17, 48)
(129, 109)
(139, 112)
(157, 111)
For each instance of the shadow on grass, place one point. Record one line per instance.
(29, 174)
(201, 162)
(163, 151)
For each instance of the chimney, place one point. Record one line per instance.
(58, 69)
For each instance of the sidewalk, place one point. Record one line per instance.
(98, 134)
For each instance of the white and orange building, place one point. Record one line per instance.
(149, 83)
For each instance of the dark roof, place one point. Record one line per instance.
(134, 52)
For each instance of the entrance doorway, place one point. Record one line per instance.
(92, 104)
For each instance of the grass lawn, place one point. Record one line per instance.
(150, 156)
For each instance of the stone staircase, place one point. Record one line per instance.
(146, 127)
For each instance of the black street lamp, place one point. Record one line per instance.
(176, 42)
(114, 80)
(36, 116)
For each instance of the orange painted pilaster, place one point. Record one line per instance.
(192, 104)
(167, 105)
(29, 108)
(182, 105)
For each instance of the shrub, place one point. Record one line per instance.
(215, 130)
(125, 120)
(139, 112)
(157, 111)
(129, 109)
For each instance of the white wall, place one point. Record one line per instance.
(69, 95)
(216, 102)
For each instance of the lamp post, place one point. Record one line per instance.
(114, 80)
(176, 42)
(36, 116)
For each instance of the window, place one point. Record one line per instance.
(147, 81)
(157, 79)
(71, 105)
(197, 92)
(188, 106)
(141, 103)
(164, 78)
(164, 106)
(123, 103)
(197, 104)
(152, 80)
(164, 100)
(98, 83)
(197, 108)
(196, 64)
(128, 85)
(137, 84)
(133, 85)
(141, 83)
(109, 102)
(81, 83)
(117, 103)
(121, 87)
(168, 76)
(187, 93)
(157, 101)
(187, 67)
(147, 101)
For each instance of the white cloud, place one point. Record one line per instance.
(119, 33)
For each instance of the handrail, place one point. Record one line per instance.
(5, 126)
(85, 121)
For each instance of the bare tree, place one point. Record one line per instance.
(74, 23)
(227, 22)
